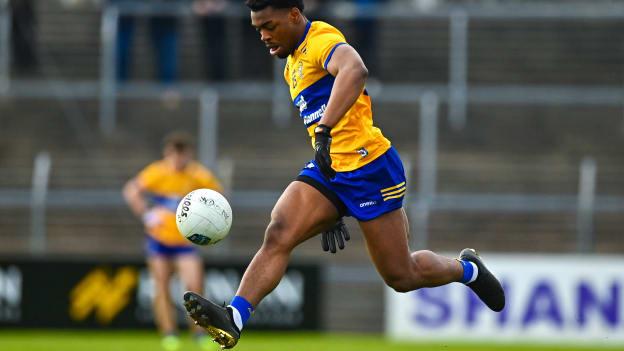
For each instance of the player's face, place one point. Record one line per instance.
(178, 159)
(278, 29)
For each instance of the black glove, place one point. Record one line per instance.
(337, 234)
(322, 144)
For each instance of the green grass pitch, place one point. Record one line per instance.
(253, 341)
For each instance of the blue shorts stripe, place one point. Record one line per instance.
(370, 191)
(154, 247)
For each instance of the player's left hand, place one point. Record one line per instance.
(322, 145)
(153, 217)
(338, 234)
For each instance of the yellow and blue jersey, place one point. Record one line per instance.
(356, 141)
(165, 187)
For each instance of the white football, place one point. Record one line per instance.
(204, 217)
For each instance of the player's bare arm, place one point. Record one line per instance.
(350, 77)
(133, 194)
(351, 73)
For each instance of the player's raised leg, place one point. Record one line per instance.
(300, 213)
(387, 243)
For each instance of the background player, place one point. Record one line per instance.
(355, 172)
(153, 196)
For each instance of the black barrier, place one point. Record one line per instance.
(118, 295)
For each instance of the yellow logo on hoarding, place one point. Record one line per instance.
(100, 293)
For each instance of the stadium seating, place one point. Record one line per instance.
(479, 159)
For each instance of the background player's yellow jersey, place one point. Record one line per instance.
(356, 142)
(165, 188)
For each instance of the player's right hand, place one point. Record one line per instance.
(338, 234)
(152, 217)
(322, 143)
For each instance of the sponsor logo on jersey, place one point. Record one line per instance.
(316, 115)
(301, 103)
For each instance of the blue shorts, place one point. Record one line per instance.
(154, 247)
(365, 193)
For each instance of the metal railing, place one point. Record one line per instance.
(108, 89)
(5, 46)
(425, 201)
(585, 204)
(39, 193)
(427, 167)
(458, 68)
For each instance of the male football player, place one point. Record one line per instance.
(355, 172)
(153, 196)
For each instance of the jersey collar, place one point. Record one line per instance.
(305, 34)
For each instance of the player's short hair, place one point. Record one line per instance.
(259, 5)
(180, 141)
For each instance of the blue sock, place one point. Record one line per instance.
(470, 271)
(244, 310)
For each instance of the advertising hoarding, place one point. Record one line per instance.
(100, 294)
(556, 298)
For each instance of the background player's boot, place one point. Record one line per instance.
(171, 342)
(205, 342)
(486, 286)
(217, 320)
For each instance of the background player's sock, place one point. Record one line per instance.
(470, 272)
(241, 311)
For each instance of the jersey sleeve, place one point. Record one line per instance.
(208, 180)
(149, 177)
(324, 45)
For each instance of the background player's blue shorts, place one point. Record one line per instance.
(155, 248)
(365, 193)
